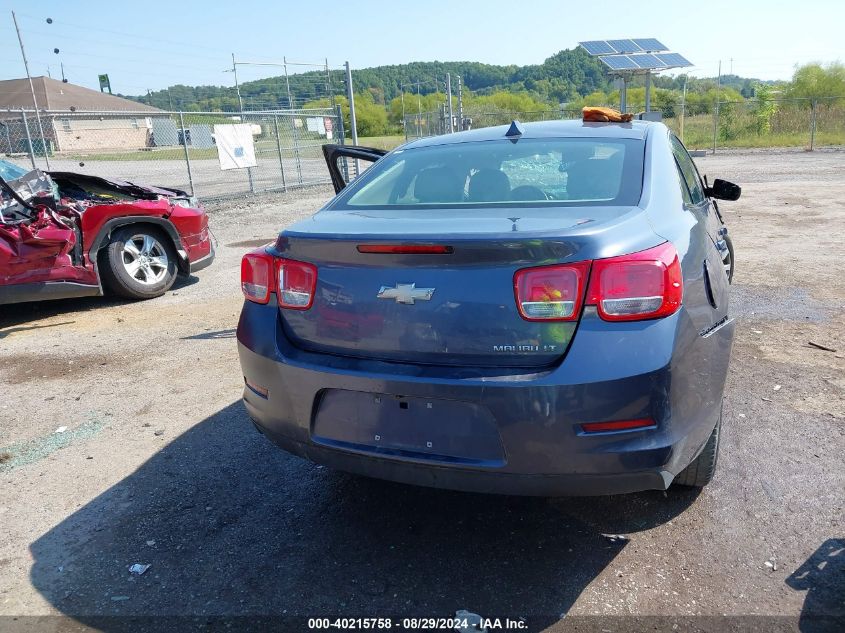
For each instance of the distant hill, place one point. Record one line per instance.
(561, 78)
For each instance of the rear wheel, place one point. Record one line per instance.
(699, 473)
(138, 263)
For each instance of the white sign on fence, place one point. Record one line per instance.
(316, 124)
(235, 148)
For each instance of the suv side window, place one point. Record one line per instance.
(688, 170)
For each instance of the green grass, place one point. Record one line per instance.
(380, 142)
(789, 129)
(264, 148)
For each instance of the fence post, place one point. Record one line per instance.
(715, 124)
(187, 156)
(279, 147)
(296, 148)
(341, 136)
(353, 123)
(813, 127)
(28, 139)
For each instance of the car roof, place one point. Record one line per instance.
(575, 128)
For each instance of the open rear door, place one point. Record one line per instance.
(347, 162)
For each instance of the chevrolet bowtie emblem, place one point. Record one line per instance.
(405, 293)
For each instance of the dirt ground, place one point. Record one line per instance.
(123, 440)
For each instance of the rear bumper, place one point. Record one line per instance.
(439, 476)
(635, 370)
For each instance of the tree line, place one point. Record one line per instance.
(567, 80)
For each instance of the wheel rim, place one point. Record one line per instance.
(145, 259)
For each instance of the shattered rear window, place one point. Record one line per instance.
(548, 172)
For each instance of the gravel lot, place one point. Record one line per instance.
(159, 464)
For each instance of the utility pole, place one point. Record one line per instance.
(716, 108)
(287, 83)
(240, 107)
(402, 97)
(237, 87)
(419, 112)
(449, 101)
(460, 104)
(329, 84)
(351, 96)
(352, 121)
(32, 89)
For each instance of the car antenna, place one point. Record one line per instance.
(514, 131)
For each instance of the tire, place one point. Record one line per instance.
(728, 260)
(699, 473)
(139, 262)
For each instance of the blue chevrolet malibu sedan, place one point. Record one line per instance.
(527, 309)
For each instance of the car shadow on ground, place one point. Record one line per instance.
(822, 576)
(211, 335)
(233, 526)
(16, 314)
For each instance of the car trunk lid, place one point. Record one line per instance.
(451, 307)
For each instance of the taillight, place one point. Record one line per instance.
(257, 276)
(644, 285)
(551, 293)
(297, 282)
(294, 282)
(618, 425)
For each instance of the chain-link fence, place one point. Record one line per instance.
(799, 123)
(418, 125)
(177, 149)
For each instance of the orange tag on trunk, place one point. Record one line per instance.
(599, 114)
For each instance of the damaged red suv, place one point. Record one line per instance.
(72, 235)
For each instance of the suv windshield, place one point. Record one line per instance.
(530, 172)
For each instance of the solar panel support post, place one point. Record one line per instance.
(648, 91)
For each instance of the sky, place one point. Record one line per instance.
(154, 44)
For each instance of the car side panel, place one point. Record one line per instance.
(40, 251)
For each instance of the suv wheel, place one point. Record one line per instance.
(138, 263)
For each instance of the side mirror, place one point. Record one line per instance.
(723, 190)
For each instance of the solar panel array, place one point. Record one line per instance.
(674, 60)
(619, 62)
(598, 48)
(635, 54)
(636, 45)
